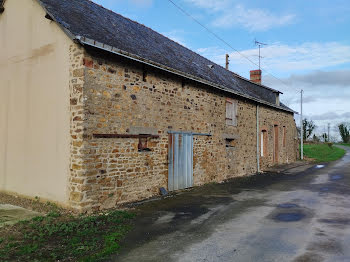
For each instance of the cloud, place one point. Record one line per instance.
(331, 116)
(282, 58)
(229, 14)
(211, 5)
(177, 36)
(296, 99)
(318, 86)
(322, 78)
(253, 19)
(322, 89)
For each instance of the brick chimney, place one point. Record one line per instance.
(255, 76)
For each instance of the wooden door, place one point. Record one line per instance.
(275, 145)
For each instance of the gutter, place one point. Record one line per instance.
(93, 43)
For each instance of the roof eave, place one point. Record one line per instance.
(93, 43)
(117, 51)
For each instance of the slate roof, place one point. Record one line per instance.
(91, 21)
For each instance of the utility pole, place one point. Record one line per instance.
(259, 44)
(301, 127)
(329, 127)
(227, 61)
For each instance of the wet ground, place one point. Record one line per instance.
(302, 214)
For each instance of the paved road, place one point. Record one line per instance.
(302, 215)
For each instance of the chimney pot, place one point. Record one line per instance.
(255, 76)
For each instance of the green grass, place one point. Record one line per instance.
(343, 144)
(58, 237)
(323, 152)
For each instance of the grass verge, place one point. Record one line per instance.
(343, 144)
(323, 152)
(61, 237)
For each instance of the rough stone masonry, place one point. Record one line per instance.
(110, 95)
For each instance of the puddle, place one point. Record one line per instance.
(329, 246)
(287, 205)
(289, 217)
(167, 218)
(320, 166)
(320, 179)
(336, 177)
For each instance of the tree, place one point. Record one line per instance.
(308, 128)
(325, 137)
(344, 132)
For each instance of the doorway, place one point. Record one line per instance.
(180, 174)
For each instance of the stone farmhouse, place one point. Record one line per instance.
(98, 110)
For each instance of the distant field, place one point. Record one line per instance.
(323, 152)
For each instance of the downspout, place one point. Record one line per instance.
(257, 139)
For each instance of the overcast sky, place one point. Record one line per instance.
(308, 44)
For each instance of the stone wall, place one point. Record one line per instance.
(121, 97)
(288, 153)
(78, 170)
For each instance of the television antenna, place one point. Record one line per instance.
(260, 45)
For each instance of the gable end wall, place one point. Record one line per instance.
(34, 103)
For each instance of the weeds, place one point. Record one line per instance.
(66, 238)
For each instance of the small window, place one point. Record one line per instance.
(231, 112)
(142, 146)
(230, 143)
(263, 143)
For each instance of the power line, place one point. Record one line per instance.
(226, 43)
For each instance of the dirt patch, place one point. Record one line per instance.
(58, 237)
(10, 214)
(328, 246)
(31, 204)
(335, 221)
(309, 257)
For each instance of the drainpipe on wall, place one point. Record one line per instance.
(257, 139)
